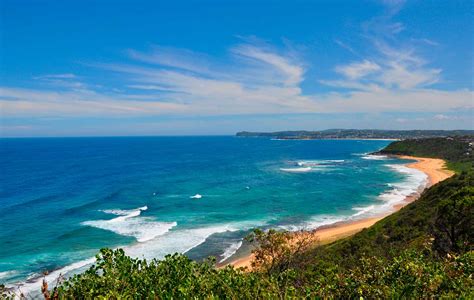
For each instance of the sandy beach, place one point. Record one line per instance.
(434, 168)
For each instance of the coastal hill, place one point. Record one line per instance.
(425, 250)
(457, 151)
(357, 134)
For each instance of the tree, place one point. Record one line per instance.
(454, 223)
(278, 251)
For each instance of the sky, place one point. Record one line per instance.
(114, 68)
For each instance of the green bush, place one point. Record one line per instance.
(409, 275)
(116, 275)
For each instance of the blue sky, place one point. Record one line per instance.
(80, 68)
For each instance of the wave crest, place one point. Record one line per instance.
(129, 223)
(375, 157)
(231, 250)
(296, 170)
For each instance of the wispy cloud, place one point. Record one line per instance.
(257, 81)
(66, 80)
(291, 72)
(56, 76)
(253, 78)
(357, 70)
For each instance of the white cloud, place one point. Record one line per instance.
(174, 58)
(441, 117)
(255, 80)
(391, 68)
(292, 72)
(57, 76)
(358, 70)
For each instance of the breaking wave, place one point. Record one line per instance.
(130, 223)
(231, 250)
(375, 157)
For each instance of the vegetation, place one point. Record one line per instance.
(358, 134)
(458, 151)
(409, 275)
(425, 250)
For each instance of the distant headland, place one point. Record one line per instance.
(356, 134)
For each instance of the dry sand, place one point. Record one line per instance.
(433, 167)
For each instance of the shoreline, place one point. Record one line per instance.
(434, 168)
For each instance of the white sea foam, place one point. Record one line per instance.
(180, 241)
(183, 240)
(315, 222)
(129, 223)
(32, 288)
(7, 274)
(121, 212)
(296, 170)
(375, 157)
(231, 250)
(324, 220)
(414, 181)
(304, 166)
(176, 241)
(362, 210)
(311, 163)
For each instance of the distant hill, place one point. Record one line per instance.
(357, 134)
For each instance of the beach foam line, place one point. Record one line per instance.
(362, 210)
(231, 250)
(414, 181)
(7, 274)
(184, 240)
(180, 241)
(412, 184)
(32, 288)
(315, 222)
(129, 223)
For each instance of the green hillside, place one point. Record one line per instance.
(425, 250)
(457, 151)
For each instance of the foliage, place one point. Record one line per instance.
(6, 293)
(277, 251)
(458, 151)
(410, 275)
(116, 275)
(454, 224)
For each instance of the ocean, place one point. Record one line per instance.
(62, 199)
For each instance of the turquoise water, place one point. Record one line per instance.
(62, 199)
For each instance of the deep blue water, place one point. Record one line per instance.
(62, 199)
